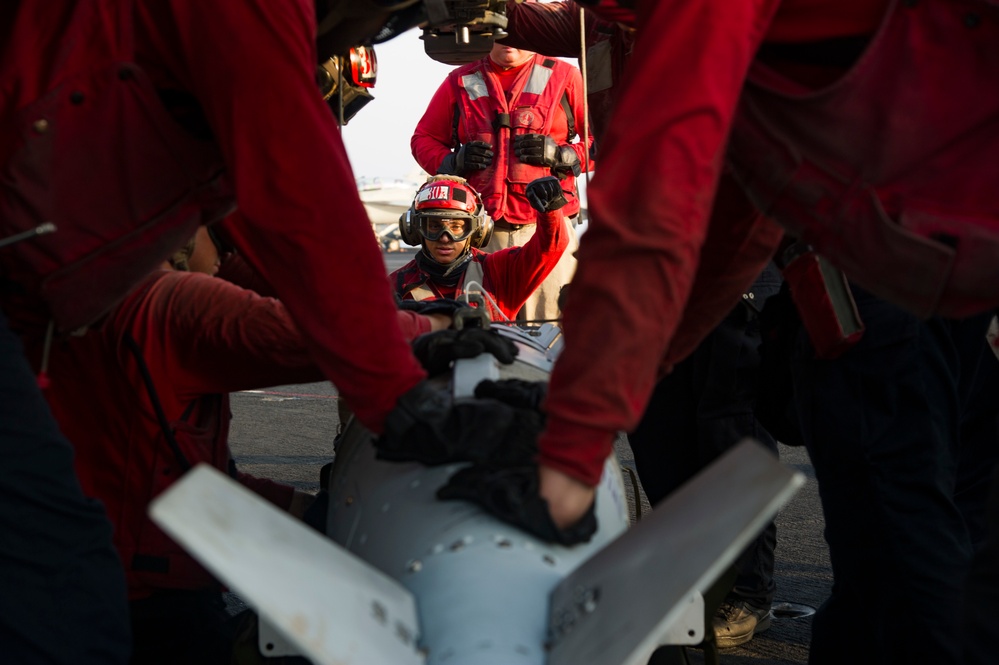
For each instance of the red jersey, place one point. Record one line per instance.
(241, 76)
(641, 281)
(199, 339)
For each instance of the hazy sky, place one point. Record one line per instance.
(377, 139)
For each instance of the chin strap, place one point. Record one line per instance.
(443, 273)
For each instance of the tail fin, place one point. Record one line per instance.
(327, 602)
(618, 604)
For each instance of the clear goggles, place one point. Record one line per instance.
(433, 227)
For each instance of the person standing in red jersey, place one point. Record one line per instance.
(126, 125)
(501, 122)
(863, 128)
(144, 397)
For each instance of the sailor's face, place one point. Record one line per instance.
(445, 250)
(507, 57)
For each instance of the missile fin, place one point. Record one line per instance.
(618, 605)
(333, 606)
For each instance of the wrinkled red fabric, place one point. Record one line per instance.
(201, 338)
(629, 315)
(249, 69)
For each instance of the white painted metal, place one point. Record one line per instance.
(336, 608)
(272, 642)
(469, 372)
(482, 585)
(617, 607)
(688, 628)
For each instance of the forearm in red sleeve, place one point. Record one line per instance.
(413, 325)
(222, 338)
(306, 231)
(432, 140)
(513, 274)
(546, 28)
(649, 207)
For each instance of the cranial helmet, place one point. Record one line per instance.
(345, 81)
(440, 202)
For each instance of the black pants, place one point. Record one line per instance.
(882, 424)
(701, 410)
(62, 590)
(182, 628)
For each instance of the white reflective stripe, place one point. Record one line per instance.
(474, 85)
(422, 293)
(539, 79)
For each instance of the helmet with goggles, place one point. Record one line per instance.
(446, 205)
(345, 81)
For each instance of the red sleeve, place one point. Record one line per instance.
(575, 92)
(432, 140)
(548, 28)
(649, 206)
(511, 275)
(413, 325)
(252, 66)
(221, 338)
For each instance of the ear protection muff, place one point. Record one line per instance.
(483, 233)
(407, 228)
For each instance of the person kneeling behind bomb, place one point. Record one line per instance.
(448, 221)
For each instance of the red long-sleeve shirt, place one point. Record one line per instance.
(200, 338)
(250, 66)
(509, 275)
(650, 202)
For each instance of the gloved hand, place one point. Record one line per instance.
(426, 427)
(473, 156)
(545, 194)
(542, 150)
(436, 350)
(511, 494)
(438, 306)
(517, 393)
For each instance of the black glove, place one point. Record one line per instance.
(545, 194)
(473, 156)
(511, 494)
(437, 306)
(517, 393)
(542, 150)
(426, 427)
(436, 350)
